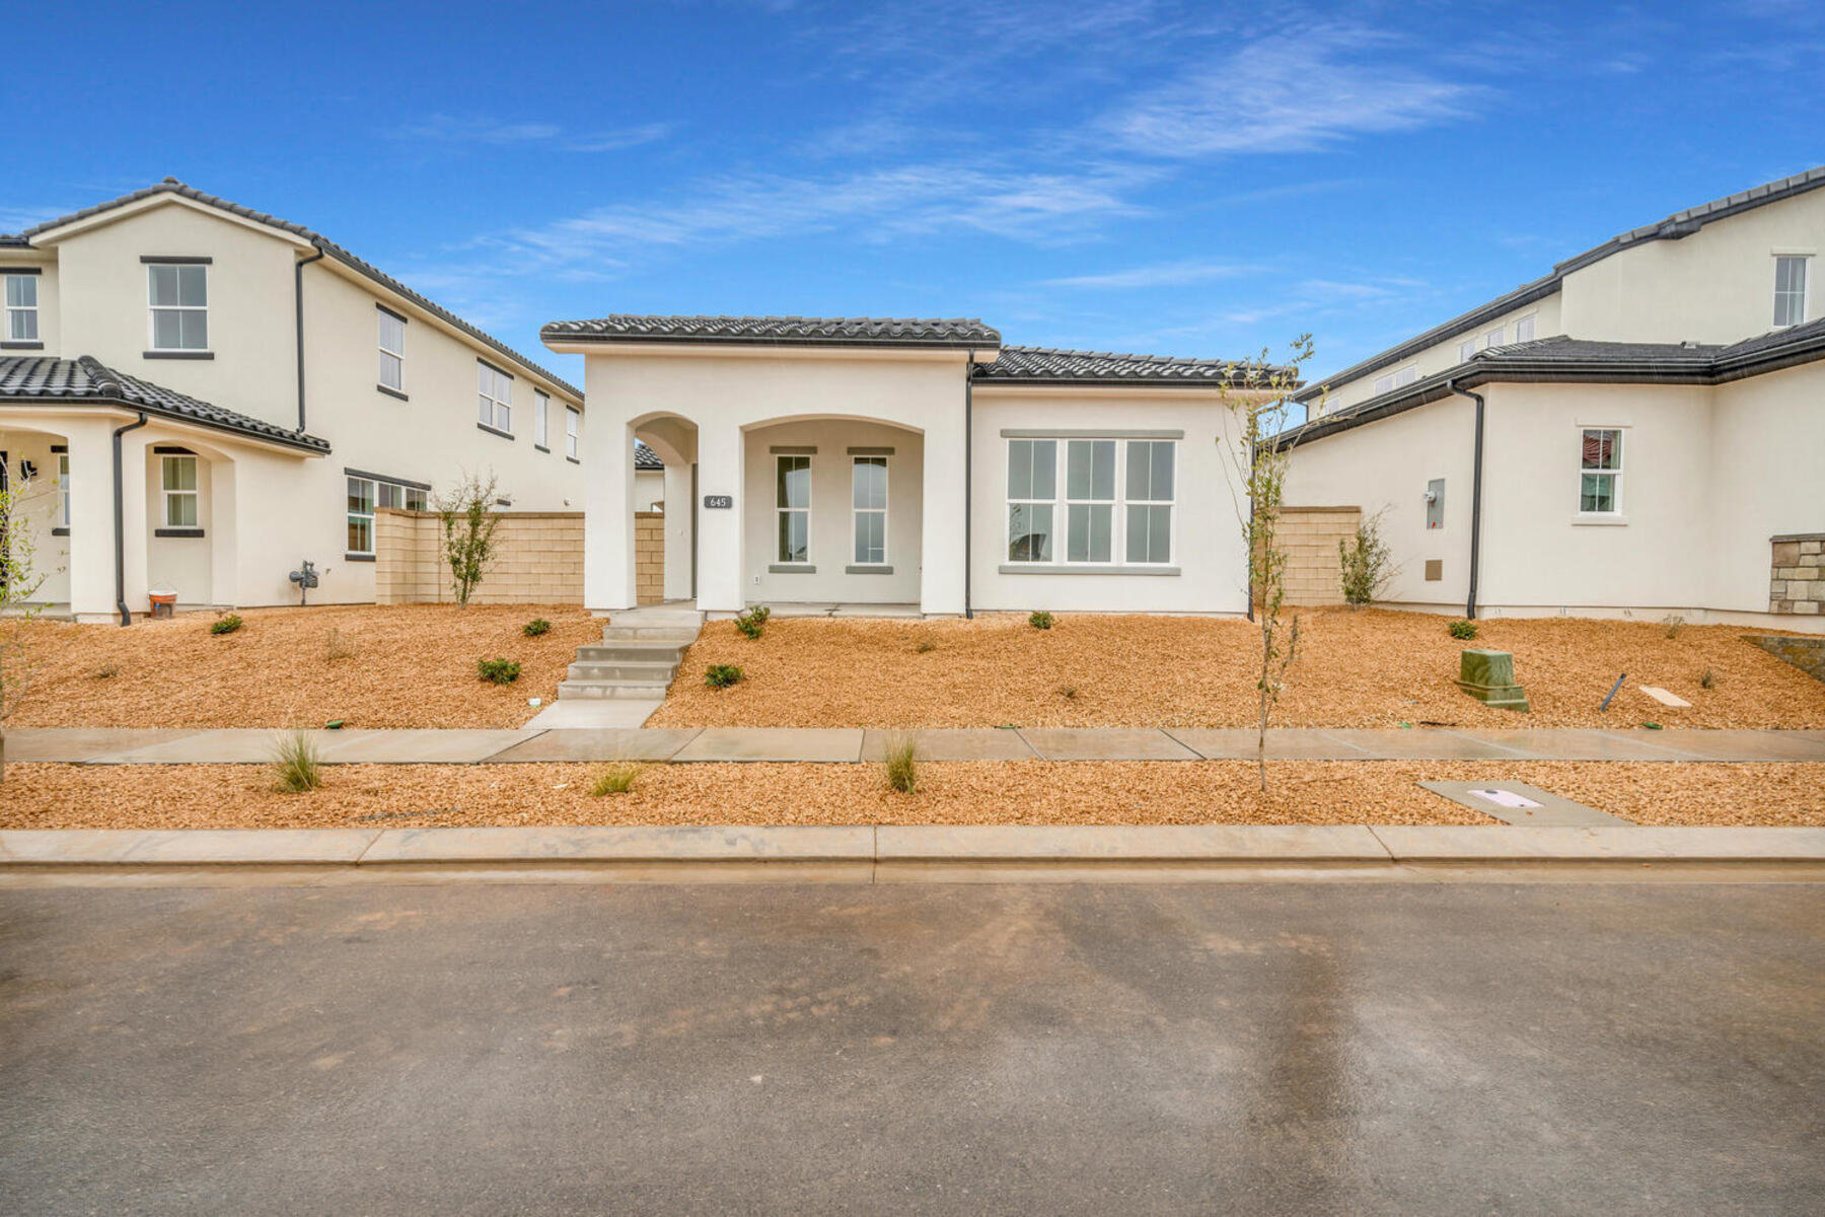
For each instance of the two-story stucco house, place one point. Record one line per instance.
(1640, 432)
(203, 396)
(917, 464)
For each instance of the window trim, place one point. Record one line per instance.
(1496, 337)
(1615, 475)
(62, 456)
(7, 311)
(1532, 321)
(1119, 561)
(168, 495)
(1119, 449)
(1805, 260)
(153, 349)
(1171, 505)
(541, 419)
(780, 559)
(1007, 515)
(500, 420)
(573, 433)
(381, 313)
(1466, 350)
(856, 513)
(373, 498)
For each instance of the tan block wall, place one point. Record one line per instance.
(1797, 584)
(649, 557)
(538, 558)
(1309, 535)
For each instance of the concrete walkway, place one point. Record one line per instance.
(164, 745)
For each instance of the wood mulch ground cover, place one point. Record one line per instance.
(999, 792)
(394, 666)
(1372, 668)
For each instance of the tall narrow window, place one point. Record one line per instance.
(1032, 487)
(63, 490)
(1090, 500)
(573, 432)
(361, 516)
(180, 491)
(392, 351)
(541, 421)
(21, 304)
(869, 500)
(1465, 350)
(1524, 330)
(793, 500)
(179, 296)
(1149, 501)
(1789, 290)
(1599, 490)
(495, 397)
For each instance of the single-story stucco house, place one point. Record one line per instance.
(907, 464)
(1640, 433)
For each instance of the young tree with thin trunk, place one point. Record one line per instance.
(20, 582)
(469, 521)
(1257, 394)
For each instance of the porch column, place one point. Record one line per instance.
(91, 519)
(719, 539)
(607, 445)
(224, 517)
(941, 520)
(680, 519)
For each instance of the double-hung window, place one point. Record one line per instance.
(392, 351)
(1090, 500)
(21, 305)
(1524, 329)
(1032, 487)
(361, 516)
(869, 500)
(573, 431)
(541, 420)
(63, 490)
(179, 477)
(1600, 482)
(1148, 495)
(495, 397)
(1465, 350)
(179, 301)
(1494, 337)
(792, 499)
(1384, 383)
(1789, 290)
(1406, 375)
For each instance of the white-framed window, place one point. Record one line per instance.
(178, 296)
(1465, 350)
(494, 390)
(1790, 289)
(1148, 495)
(1524, 329)
(179, 479)
(1032, 490)
(393, 494)
(792, 501)
(21, 307)
(541, 418)
(1090, 500)
(1406, 375)
(362, 498)
(63, 490)
(573, 432)
(392, 350)
(1600, 470)
(1494, 337)
(1384, 383)
(868, 502)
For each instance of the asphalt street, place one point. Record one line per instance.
(1290, 1047)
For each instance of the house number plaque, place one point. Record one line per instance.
(716, 502)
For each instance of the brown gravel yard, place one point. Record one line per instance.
(1004, 792)
(1372, 668)
(398, 666)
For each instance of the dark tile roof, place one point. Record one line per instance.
(780, 331)
(330, 249)
(1679, 224)
(646, 459)
(1566, 360)
(1044, 365)
(39, 379)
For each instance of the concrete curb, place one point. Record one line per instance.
(887, 853)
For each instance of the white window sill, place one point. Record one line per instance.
(1082, 568)
(1603, 519)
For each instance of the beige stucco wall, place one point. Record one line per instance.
(1767, 458)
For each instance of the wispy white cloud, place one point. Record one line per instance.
(450, 130)
(1289, 92)
(1160, 274)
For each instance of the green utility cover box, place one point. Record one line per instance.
(1488, 676)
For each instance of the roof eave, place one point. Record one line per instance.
(309, 445)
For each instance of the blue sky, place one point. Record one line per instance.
(1192, 179)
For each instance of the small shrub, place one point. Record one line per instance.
(1674, 624)
(498, 671)
(226, 625)
(753, 622)
(722, 675)
(535, 627)
(1040, 620)
(616, 779)
(295, 766)
(925, 644)
(1367, 563)
(335, 648)
(107, 671)
(902, 764)
(1708, 680)
(1068, 692)
(1465, 630)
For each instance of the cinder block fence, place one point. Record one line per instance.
(538, 558)
(1309, 535)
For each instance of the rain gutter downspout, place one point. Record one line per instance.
(1476, 497)
(120, 539)
(969, 448)
(298, 309)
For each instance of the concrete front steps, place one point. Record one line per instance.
(638, 655)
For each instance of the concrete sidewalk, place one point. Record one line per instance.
(165, 746)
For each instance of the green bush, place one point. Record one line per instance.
(616, 779)
(226, 625)
(498, 671)
(1040, 620)
(902, 764)
(1367, 563)
(753, 622)
(1463, 629)
(535, 627)
(295, 767)
(722, 675)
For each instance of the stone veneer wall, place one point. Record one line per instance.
(538, 558)
(1806, 654)
(1309, 535)
(1798, 578)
